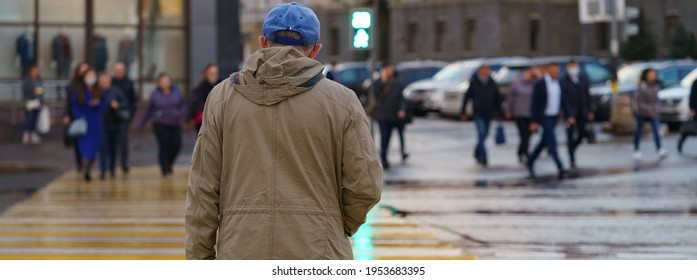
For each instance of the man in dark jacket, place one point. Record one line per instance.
(576, 91)
(547, 105)
(125, 85)
(391, 108)
(486, 103)
(693, 108)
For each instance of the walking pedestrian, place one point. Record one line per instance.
(576, 91)
(115, 118)
(546, 107)
(332, 73)
(33, 97)
(167, 109)
(284, 167)
(390, 111)
(486, 104)
(125, 85)
(518, 109)
(209, 78)
(693, 108)
(88, 103)
(646, 109)
(77, 83)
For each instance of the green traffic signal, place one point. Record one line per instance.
(361, 27)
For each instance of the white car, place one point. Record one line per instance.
(675, 107)
(454, 94)
(428, 95)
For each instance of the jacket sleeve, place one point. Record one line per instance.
(535, 113)
(361, 171)
(511, 97)
(498, 105)
(467, 97)
(202, 199)
(28, 90)
(693, 96)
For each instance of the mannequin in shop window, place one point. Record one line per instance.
(25, 51)
(127, 49)
(101, 53)
(62, 55)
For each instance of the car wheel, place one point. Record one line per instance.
(674, 126)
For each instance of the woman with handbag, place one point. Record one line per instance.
(208, 80)
(87, 105)
(116, 117)
(33, 97)
(646, 109)
(76, 82)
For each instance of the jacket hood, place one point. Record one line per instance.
(273, 75)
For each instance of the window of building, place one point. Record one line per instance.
(412, 35)
(440, 36)
(470, 33)
(334, 40)
(534, 34)
(672, 21)
(602, 36)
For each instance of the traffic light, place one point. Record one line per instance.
(361, 29)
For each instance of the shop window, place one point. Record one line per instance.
(534, 34)
(440, 36)
(470, 33)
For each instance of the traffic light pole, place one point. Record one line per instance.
(373, 58)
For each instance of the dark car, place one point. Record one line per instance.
(352, 75)
(598, 76)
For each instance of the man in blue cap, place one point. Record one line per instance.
(284, 166)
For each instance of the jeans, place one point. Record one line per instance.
(655, 125)
(574, 135)
(32, 116)
(108, 150)
(400, 132)
(386, 128)
(169, 143)
(549, 141)
(483, 126)
(523, 125)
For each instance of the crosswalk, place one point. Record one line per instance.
(140, 216)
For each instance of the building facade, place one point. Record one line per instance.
(456, 29)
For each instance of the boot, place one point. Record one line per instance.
(25, 138)
(35, 139)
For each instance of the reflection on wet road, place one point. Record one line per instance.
(141, 216)
(645, 215)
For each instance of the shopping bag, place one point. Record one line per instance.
(500, 134)
(590, 132)
(43, 124)
(689, 127)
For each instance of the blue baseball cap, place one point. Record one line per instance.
(295, 17)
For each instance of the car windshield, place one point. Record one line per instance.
(689, 79)
(455, 72)
(630, 75)
(415, 74)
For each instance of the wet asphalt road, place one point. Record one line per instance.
(612, 208)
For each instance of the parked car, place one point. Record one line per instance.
(352, 75)
(444, 93)
(670, 73)
(675, 107)
(409, 72)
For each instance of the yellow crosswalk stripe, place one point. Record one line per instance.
(140, 217)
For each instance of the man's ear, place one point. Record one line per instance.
(315, 50)
(263, 43)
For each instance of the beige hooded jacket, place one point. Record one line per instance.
(280, 171)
